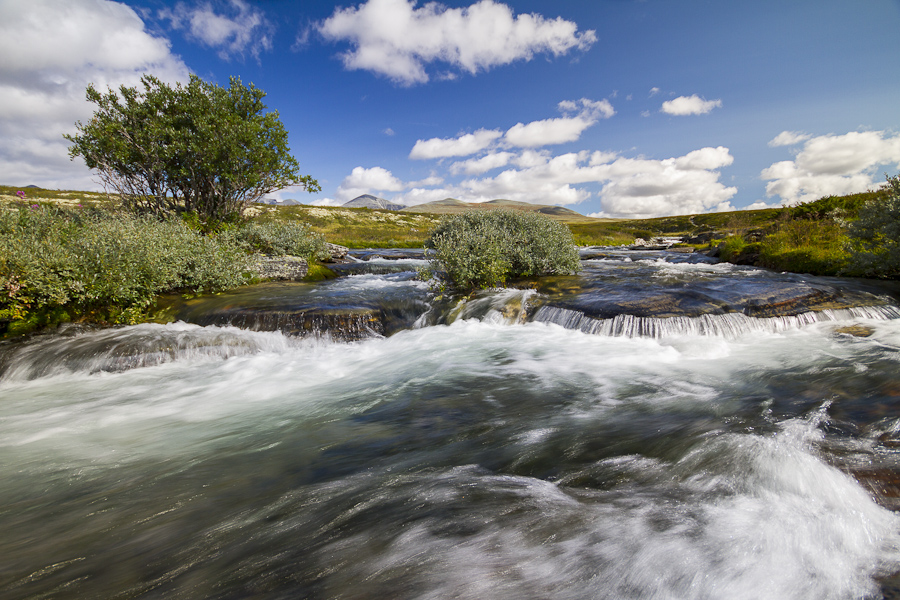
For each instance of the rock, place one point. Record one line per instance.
(338, 253)
(856, 330)
(283, 268)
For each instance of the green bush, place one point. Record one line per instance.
(54, 262)
(805, 246)
(485, 249)
(731, 247)
(280, 238)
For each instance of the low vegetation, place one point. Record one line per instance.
(359, 227)
(485, 249)
(59, 264)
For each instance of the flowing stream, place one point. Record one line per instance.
(659, 426)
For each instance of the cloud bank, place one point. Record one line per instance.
(395, 39)
(61, 47)
(830, 164)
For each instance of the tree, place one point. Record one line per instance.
(196, 147)
(485, 248)
(875, 236)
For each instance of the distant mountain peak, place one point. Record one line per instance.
(370, 201)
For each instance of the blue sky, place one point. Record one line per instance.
(609, 107)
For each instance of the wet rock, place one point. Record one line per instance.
(338, 253)
(855, 330)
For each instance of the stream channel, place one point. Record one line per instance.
(658, 426)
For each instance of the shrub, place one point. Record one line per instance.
(484, 249)
(731, 247)
(875, 236)
(63, 263)
(805, 246)
(281, 237)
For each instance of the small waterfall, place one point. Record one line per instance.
(729, 325)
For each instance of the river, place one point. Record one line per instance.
(659, 426)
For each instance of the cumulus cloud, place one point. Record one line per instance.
(58, 49)
(559, 130)
(238, 28)
(395, 39)
(477, 166)
(833, 165)
(689, 105)
(577, 116)
(366, 181)
(463, 145)
(788, 138)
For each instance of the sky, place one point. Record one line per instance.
(612, 108)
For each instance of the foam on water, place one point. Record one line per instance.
(728, 325)
(468, 460)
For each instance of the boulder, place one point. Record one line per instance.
(281, 268)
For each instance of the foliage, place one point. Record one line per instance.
(196, 147)
(55, 264)
(845, 207)
(805, 246)
(484, 249)
(731, 247)
(280, 238)
(875, 236)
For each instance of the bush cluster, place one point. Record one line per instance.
(279, 238)
(806, 246)
(875, 235)
(485, 249)
(56, 262)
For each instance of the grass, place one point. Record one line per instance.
(360, 227)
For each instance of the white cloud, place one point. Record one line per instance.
(833, 165)
(58, 49)
(689, 184)
(463, 145)
(366, 181)
(559, 130)
(476, 166)
(244, 29)
(630, 187)
(396, 39)
(689, 105)
(654, 91)
(388, 132)
(788, 138)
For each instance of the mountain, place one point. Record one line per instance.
(370, 201)
(452, 206)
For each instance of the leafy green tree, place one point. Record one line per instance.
(875, 236)
(196, 147)
(485, 248)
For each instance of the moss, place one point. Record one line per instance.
(319, 272)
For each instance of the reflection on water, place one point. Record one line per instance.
(486, 457)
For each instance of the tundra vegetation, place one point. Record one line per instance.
(77, 255)
(485, 249)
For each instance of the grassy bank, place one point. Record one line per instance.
(63, 262)
(359, 227)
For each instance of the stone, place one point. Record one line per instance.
(281, 268)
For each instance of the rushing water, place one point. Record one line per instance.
(515, 445)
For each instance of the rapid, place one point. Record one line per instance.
(659, 426)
